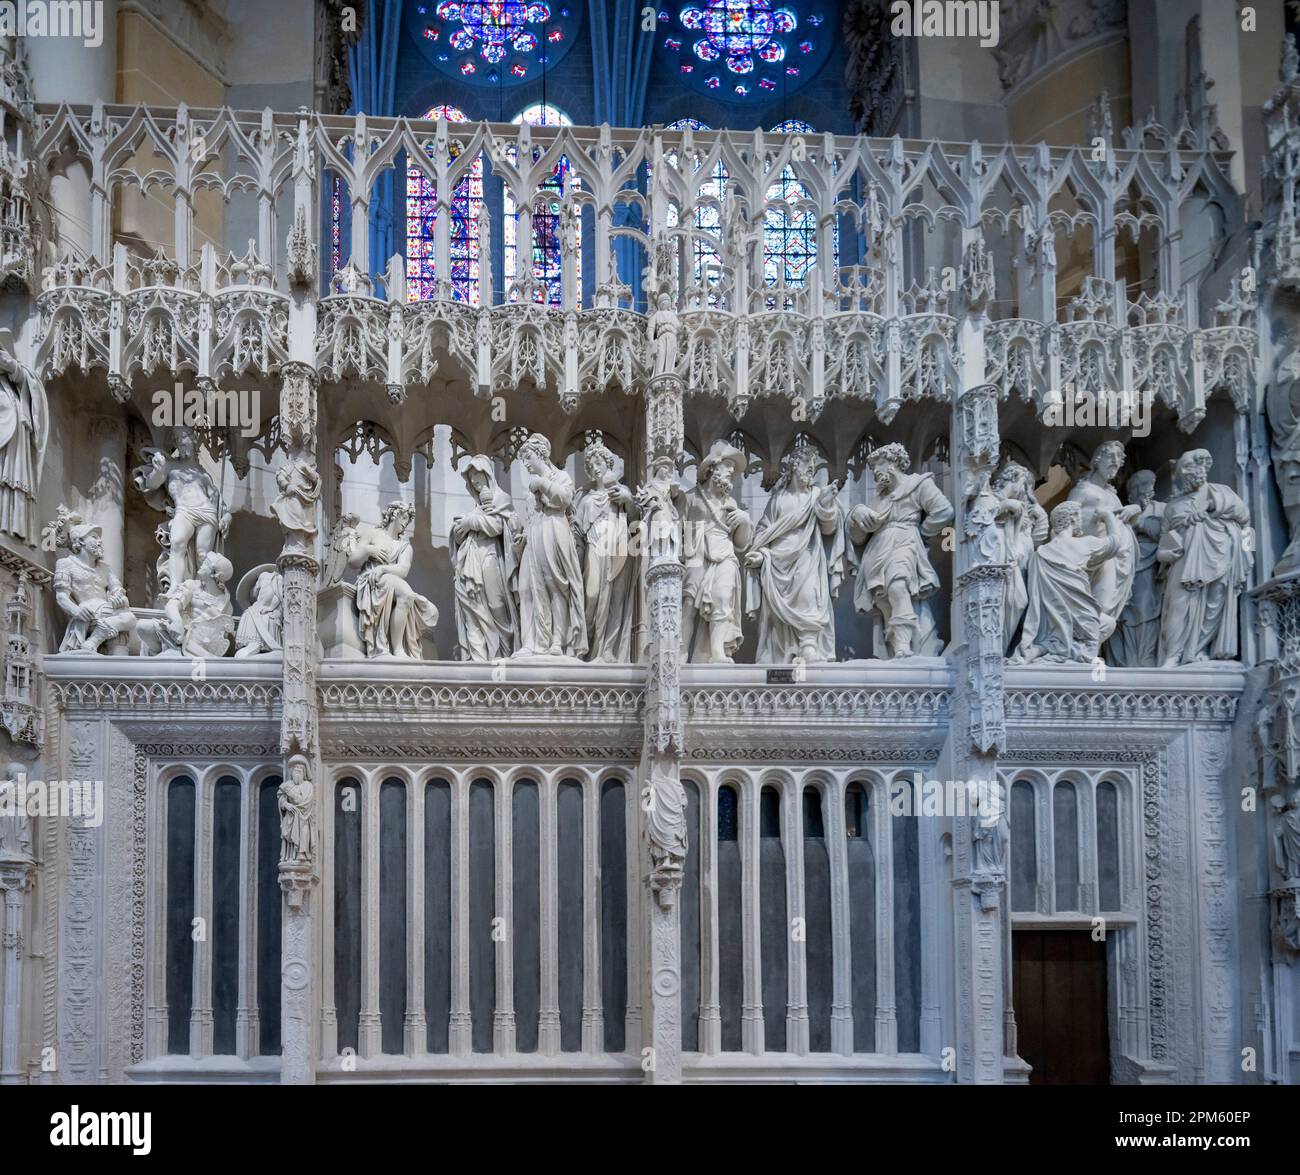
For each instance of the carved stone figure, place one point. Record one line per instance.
(990, 828)
(197, 614)
(661, 500)
(551, 612)
(1207, 546)
(664, 332)
(15, 822)
(485, 561)
(1064, 620)
(1138, 632)
(296, 797)
(895, 572)
(716, 531)
(295, 508)
(24, 422)
(185, 490)
(601, 516)
(393, 615)
(795, 565)
(87, 591)
(1023, 523)
(1112, 578)
(1284, 420)
(260, 629)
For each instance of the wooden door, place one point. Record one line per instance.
(1059, 989)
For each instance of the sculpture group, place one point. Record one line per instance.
(1145, 583)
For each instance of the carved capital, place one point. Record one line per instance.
(298, 405)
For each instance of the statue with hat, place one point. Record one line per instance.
(24, 425)
(85, 589)
(715, 532)
(196, 618)
(260, 624)
(485, 560)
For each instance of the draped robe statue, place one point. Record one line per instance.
(1023, 523)
(24, 422)
(1112, 577)
(1207, 546)
(485, 560)
(393, 614)
(1137, 635)
(551, 614)
(261, 627)
(895, 573)
(794, 567)
(1064, 620)
(716, 529)
(601, 522)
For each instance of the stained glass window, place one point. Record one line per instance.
(707, 217)
(733, 49)
(494, 42)
(790, 230)
(546, 218)
(421, 216)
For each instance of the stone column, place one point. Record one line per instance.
(16, 870)
(299, 794)
(663, 800)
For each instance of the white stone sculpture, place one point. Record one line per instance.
(601, 515)
(1064, 620)
(295, 508)
(296, 796)
(661, 502)
(1023, 523)
(895, 572)
(87, 591)
(663, 331)
(24, 422)
(716, 531)
(197, 618)
(1207, 547)
(15, 822)
(485, 546)
(181, 486)
(551, 612)
(1112, 578)
(795, 564)
(393, 615)
(1137, 634)
(1284, 419)
(261, 625)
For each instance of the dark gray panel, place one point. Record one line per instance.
(437, 914)
(1108, 894)
(774, 925)
(817, 928)
(862, 917)
(482, 910)
(180, 913)
(526, 931)
(347, 911)
(225, 913)
(907, 932)
(1065, 845)
(569, 871)
(1024, 847)
(392, 914)
(269, 906)
(613, 913)
(731, 978)
(690, 906)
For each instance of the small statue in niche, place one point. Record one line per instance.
(716, 532)
(990, 828)
(87, 591)
(261, 624)
(197, 618)
(181, 486)
(15, 822)
(601, 516)
(24, 422)
(1287, 835)
(664, 333)
(660, 500)
(1207, 546)
(795, 564)
(393, 615)
(299, 483)
(1137, 634)
(485, 560)
(1023, 523)
(1283, 407)
(1112, 577)
(895, 572)
(296, 797)
(551, 610)
(1064, 620)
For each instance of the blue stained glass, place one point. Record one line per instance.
(506, 33)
